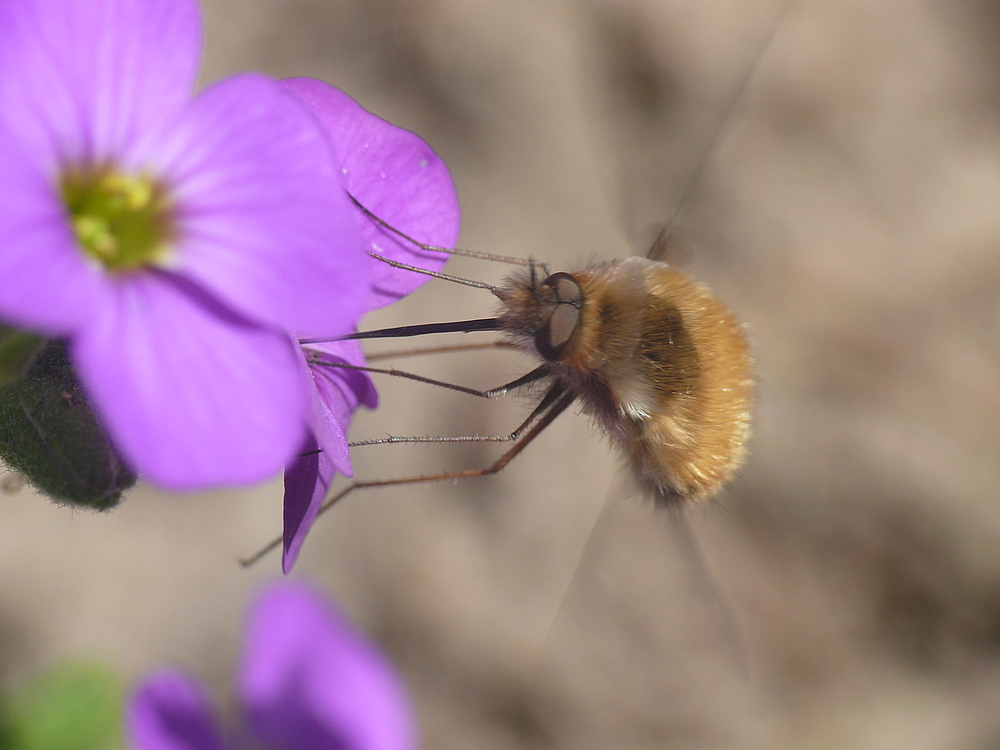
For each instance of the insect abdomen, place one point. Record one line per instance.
(697, 362)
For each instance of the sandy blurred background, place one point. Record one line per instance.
(848, 212)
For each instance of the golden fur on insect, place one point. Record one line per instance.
(653, 356)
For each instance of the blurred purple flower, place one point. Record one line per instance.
(309, 682)
(399, 178)
(175, 241)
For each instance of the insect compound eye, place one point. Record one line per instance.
(567, 299)
(566, 289)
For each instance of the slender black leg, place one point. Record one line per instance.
(537, 374)
(555, 402)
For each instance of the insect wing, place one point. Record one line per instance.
(646, 629)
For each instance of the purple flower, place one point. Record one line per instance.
(398, 178)
(309, 682)
(177, 242)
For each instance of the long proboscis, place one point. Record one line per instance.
(420, 329)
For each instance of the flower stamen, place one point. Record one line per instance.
(123, 221)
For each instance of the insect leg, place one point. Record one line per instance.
(544, 404)
(537, 374)
(436, 248)
(446, 349)
(559, 405)
(433, 274)
(555, 402)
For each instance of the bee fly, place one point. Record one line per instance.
(659, 363)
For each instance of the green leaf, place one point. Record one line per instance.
(74, 706)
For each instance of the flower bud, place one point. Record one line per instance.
(50, 433)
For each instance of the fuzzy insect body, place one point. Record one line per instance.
(660, 364)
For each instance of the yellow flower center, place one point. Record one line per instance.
(123, 221)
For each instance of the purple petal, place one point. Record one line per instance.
(49, 285)
(80, 78)
(397, 177)
(307, 479)
(336, 394)
(264, 222)
(310, 682)
(171, 712)
(192, 396)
